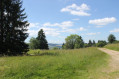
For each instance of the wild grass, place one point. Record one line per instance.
(113, 46)
(84, 63)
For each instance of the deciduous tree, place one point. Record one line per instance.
(34, 43)
(111, 38)
(74, 41)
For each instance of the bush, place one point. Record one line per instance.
(55, 48)
(86, 45)
(34, 43)
(101, 43)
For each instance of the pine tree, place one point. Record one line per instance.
(90, 43)
(94, 44)
(43, 44)
(14, 33)
(1, 25)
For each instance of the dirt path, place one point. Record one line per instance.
(113, 69)
(114, 62)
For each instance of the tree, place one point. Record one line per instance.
(74, 41)
(13, 28)
(43, 44)
(94, 44)
(101, 43)
(34, 43)
(1, 25)
(111, 38)
(79, 43)
(86, 45)
(63, 46)
(90, 43)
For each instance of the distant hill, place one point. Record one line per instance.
(51, 45)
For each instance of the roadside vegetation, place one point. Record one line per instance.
(113, 46)
(113, 43)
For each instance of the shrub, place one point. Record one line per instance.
(101, 43)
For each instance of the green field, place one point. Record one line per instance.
(84, 63)
(113, 46)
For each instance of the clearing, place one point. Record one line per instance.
(87, 63)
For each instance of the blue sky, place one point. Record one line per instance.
(91, 19)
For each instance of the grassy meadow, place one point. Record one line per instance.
(113, 46)
(84, 63)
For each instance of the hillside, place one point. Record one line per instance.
(51, 45)
(113, 46)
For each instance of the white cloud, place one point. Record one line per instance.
(63, 25)
(51, 31)
(33, 25)
(33, 29)
(115, 30)
(103, 21)
(32, 33)
(57, 32)
(74, 30)
(82, 29)
(77, 10)
(93, 33)
(48, 31)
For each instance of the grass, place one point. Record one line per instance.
(113, 46)
(84, 63)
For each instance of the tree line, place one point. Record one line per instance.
(76, 41)
(73, 41)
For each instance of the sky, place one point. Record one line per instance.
(91, 19)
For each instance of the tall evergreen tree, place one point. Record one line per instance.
(94, 44)
(90, 43)
(13, 22)
(43, 44)
(1, 25)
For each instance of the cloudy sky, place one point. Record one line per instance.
(91, 19)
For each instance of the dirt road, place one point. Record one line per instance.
(114, 61)
(113, 69)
